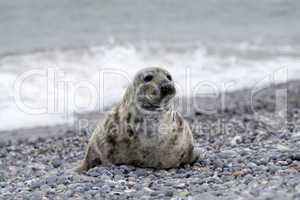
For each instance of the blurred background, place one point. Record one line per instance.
(236, 43)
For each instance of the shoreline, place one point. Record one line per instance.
(33, 133)
(189, 107)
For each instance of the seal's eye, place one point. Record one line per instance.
(148, 78)
(169, 77)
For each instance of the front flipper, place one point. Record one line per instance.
(196, 155)
(91, 160)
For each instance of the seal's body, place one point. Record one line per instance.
(143, 130)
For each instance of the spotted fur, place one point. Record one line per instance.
(143, 130)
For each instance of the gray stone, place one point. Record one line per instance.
(56, 163)
(36, 195)
(34, 184)
(169, 193)
(180, 186)
(69, 193)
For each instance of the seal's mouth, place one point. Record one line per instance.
(154, 103)
(149, 107)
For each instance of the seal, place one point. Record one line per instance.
(143, 130)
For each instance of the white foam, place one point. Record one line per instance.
(191, 69)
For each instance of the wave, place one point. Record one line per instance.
(53, 85)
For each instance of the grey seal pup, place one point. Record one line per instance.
(143, 130)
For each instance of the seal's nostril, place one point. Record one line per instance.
(167, 89)
(164, 90)
(169, 77)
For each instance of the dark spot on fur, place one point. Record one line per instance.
(91, 159)
(116, 117)
(128, 118)
(111, 140)
(130, 131)
(180, 121)
(97, 161)
(190, 153)
(181, 156)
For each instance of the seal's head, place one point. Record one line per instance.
(153, 89)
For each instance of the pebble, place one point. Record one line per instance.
(283, 163)
(36, 183)
(236, 140)
(36, 195)
(169, 193)
(69, 193)
(180, 185)
(46, 188)
(141, 172)
(56, 163)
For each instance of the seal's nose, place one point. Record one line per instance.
(167, 89)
